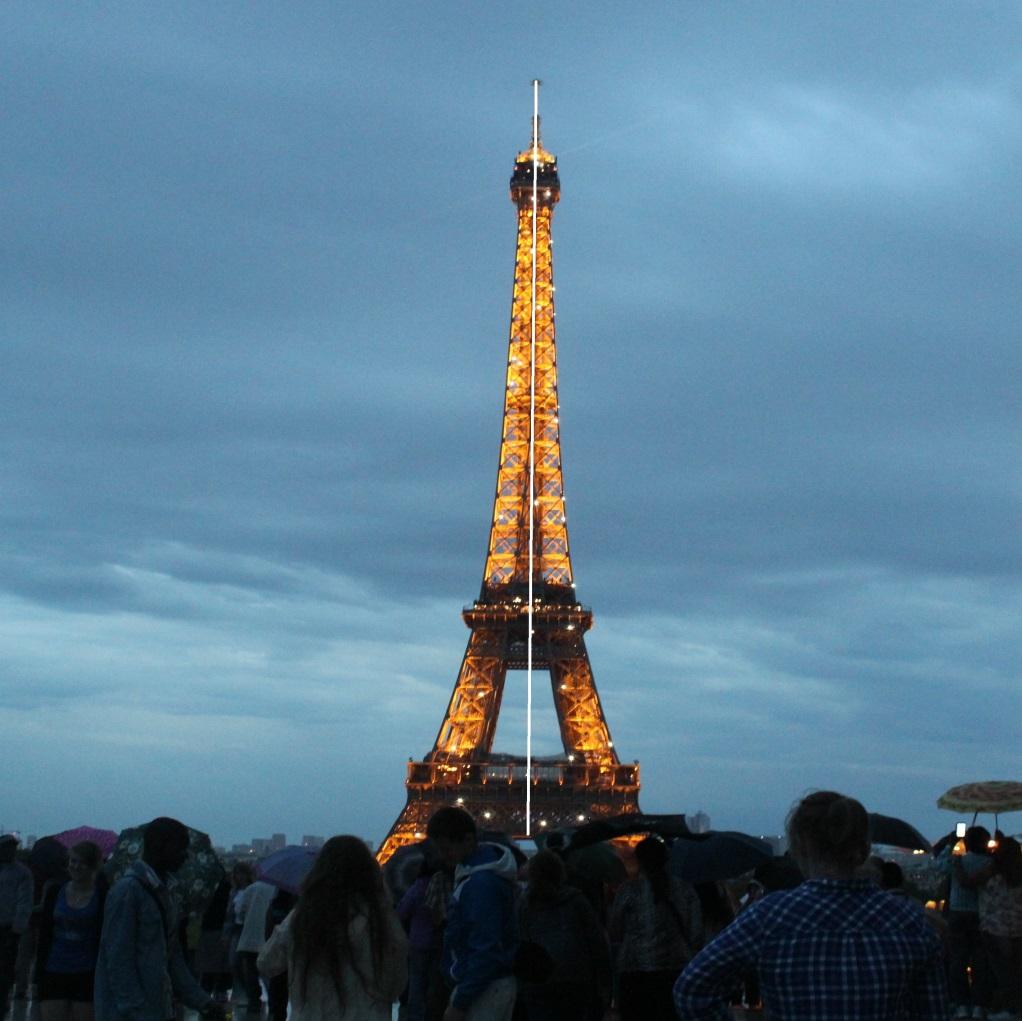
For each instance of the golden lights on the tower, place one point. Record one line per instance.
(507, 560)
(527, 613)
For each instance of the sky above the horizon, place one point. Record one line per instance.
(255, 280)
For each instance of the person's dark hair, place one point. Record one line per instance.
(163, 832)
(555, 842)
(428, 867)
(716, 908)
(90, 853)
(345, 881)
(8, 848)
(891, 876)
(546, 875)
(651, 857)
(450, 823)
(829, 827)
(216, 910)
(976, 840)
(1008, 860)
(244, 871)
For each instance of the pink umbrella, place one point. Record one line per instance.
(106, 839)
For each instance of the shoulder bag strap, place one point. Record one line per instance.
(159, 904)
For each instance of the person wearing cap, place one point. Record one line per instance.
(15, 910)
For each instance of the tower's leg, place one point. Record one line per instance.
(584, 730)
(471, 718)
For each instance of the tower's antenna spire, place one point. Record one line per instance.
(532, 460)
(535, 114)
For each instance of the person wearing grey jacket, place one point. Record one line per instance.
(15, 910)
(141, 969)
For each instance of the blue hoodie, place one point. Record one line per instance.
(480, 936)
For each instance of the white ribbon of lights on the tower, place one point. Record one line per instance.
(532, 461)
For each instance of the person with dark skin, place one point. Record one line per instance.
(141, 969)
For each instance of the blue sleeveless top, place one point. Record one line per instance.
(75, 935)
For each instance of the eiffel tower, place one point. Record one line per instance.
(587, 781)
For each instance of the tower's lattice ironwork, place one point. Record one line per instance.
(587, 780)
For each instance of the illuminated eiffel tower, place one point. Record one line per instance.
(588, 780)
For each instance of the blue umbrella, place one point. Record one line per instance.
(287, 867)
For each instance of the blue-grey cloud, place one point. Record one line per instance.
(254, 288)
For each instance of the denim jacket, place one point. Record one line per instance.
(140, 968)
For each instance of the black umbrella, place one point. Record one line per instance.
(723, 855)
(886, 829)
(666, 826)
(405, 865)
(598, 863)
(778, 874)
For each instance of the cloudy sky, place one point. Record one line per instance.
(255, 277)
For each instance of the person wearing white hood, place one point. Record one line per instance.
(481, 934)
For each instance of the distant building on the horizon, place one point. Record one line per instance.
(259, 847)
(699, 823)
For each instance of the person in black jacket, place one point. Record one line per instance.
(572, 979)
(15, 912)
(277, 987)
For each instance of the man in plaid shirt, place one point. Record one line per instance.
(836, 947)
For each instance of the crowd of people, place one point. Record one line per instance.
(984, 923)
(485, 934)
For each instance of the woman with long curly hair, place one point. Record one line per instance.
(342, 946)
